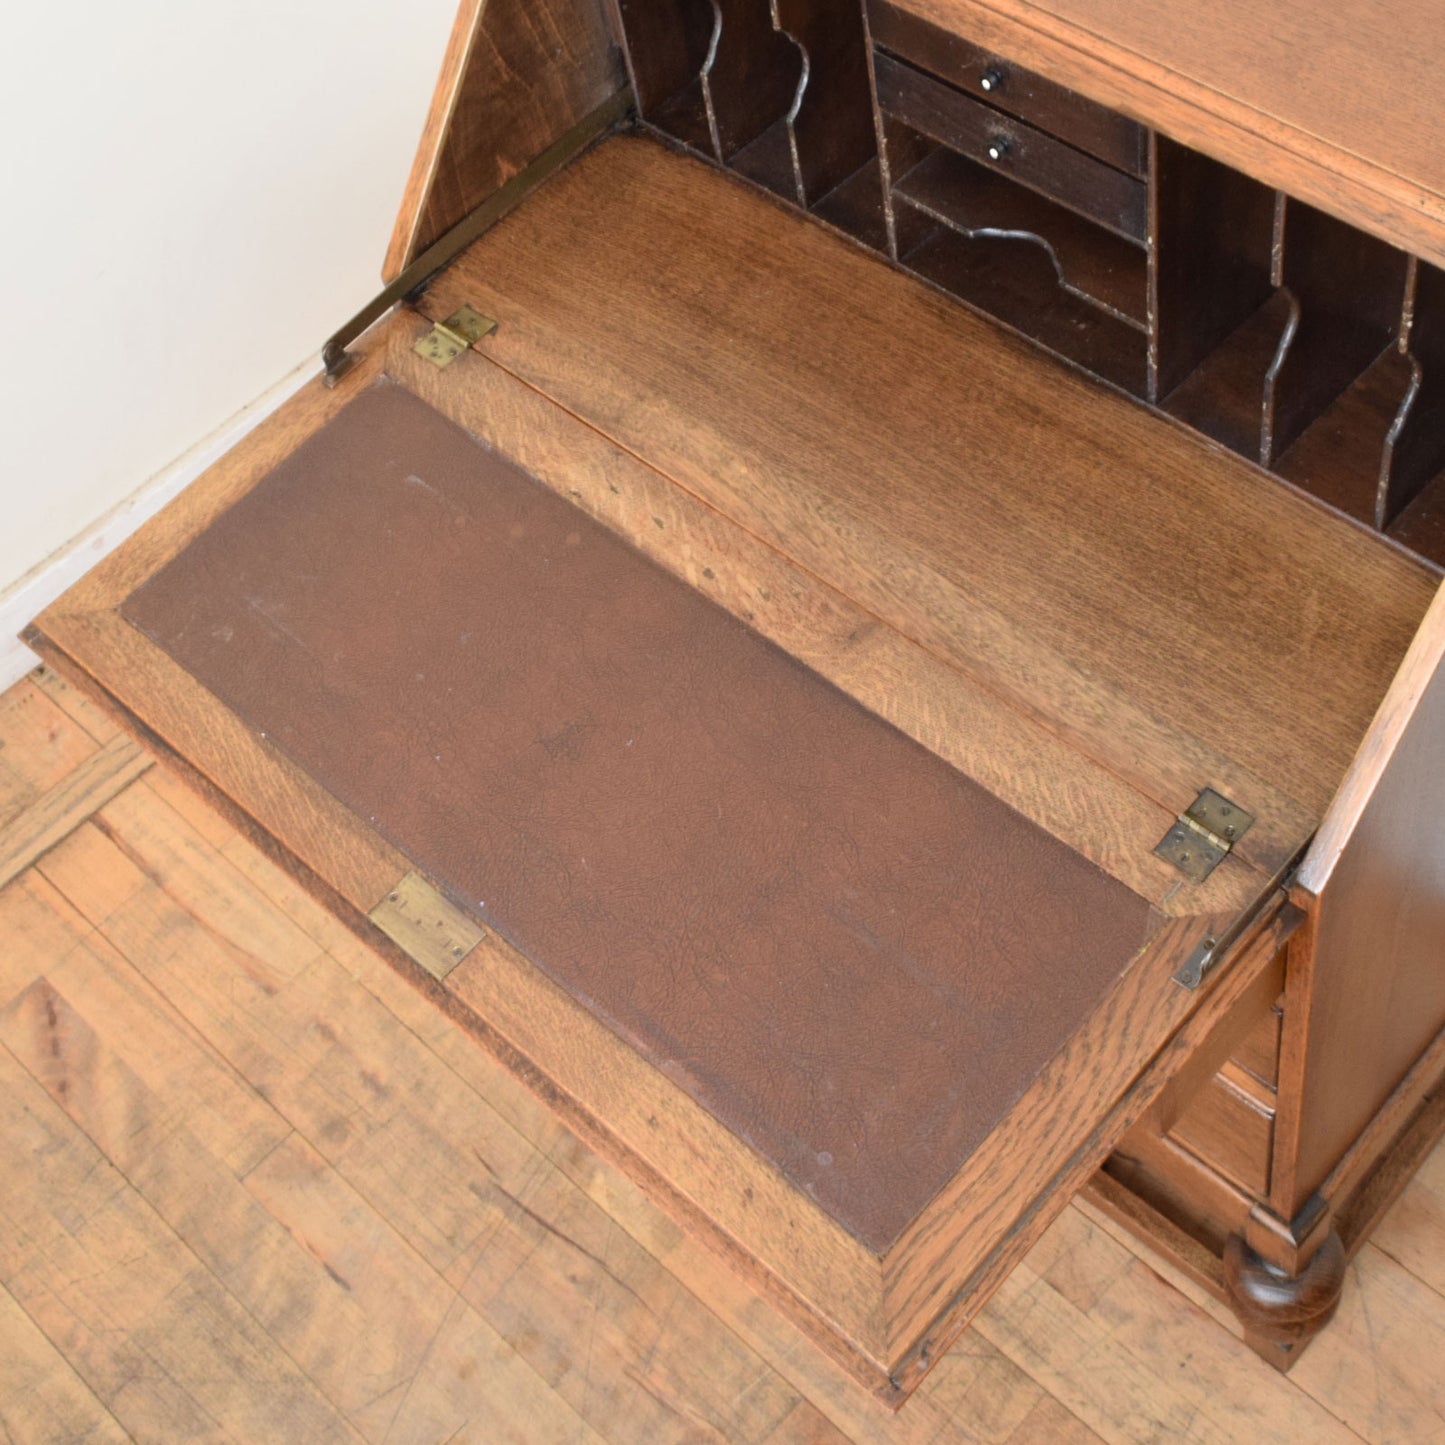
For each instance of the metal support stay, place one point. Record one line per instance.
(337, 360)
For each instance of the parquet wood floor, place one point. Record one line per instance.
(253, 1188)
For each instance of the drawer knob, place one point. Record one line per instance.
(991, 80)
(998, 147)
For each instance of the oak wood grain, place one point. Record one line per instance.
(973, 1390)
(1184, 1205)
(812, 1259)
(273, 790)
(1393, 722)
(970, 532)
(1378, 1161)
(1230, 1130)
(942, 706)
(292, 808)
(86, 635)
(177, 880)
(1258, 1052)
(1026, 641)
(422, 176)
(515, 78)
(1252, 1011)
(1034, 157)
(1089, 127)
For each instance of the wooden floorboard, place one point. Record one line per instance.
(258, 1189)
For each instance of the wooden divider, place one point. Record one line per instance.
(1349, 289)
(832, 120)
(1285, 334)
(668, 44)
(1415, 448)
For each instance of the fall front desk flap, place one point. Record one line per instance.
(849, 953)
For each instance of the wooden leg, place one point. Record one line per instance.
(1282, 1313)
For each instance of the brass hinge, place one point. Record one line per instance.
(426, 926)
(458, 333)
(1202, 837)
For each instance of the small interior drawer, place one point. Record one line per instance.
(1012, 147)
(1257, 1053)
(1103, 133)
(1221, 1107)
(1230, 1126)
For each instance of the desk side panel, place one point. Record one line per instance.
(1367, 970)
(516, 77)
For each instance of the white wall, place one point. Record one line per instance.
(193, 194)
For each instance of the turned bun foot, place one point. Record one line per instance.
(1281, 1312)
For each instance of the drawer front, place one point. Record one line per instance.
(1257, 1053)
(1013, 148)
(1063, 113)
(1231, 1129)
(1220, 1108)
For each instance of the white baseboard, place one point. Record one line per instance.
(20, 603)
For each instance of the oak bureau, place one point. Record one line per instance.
(864, 610)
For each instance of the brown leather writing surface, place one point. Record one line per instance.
(851, 954)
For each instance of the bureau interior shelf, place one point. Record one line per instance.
(1291, 337)
(1165, 607)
